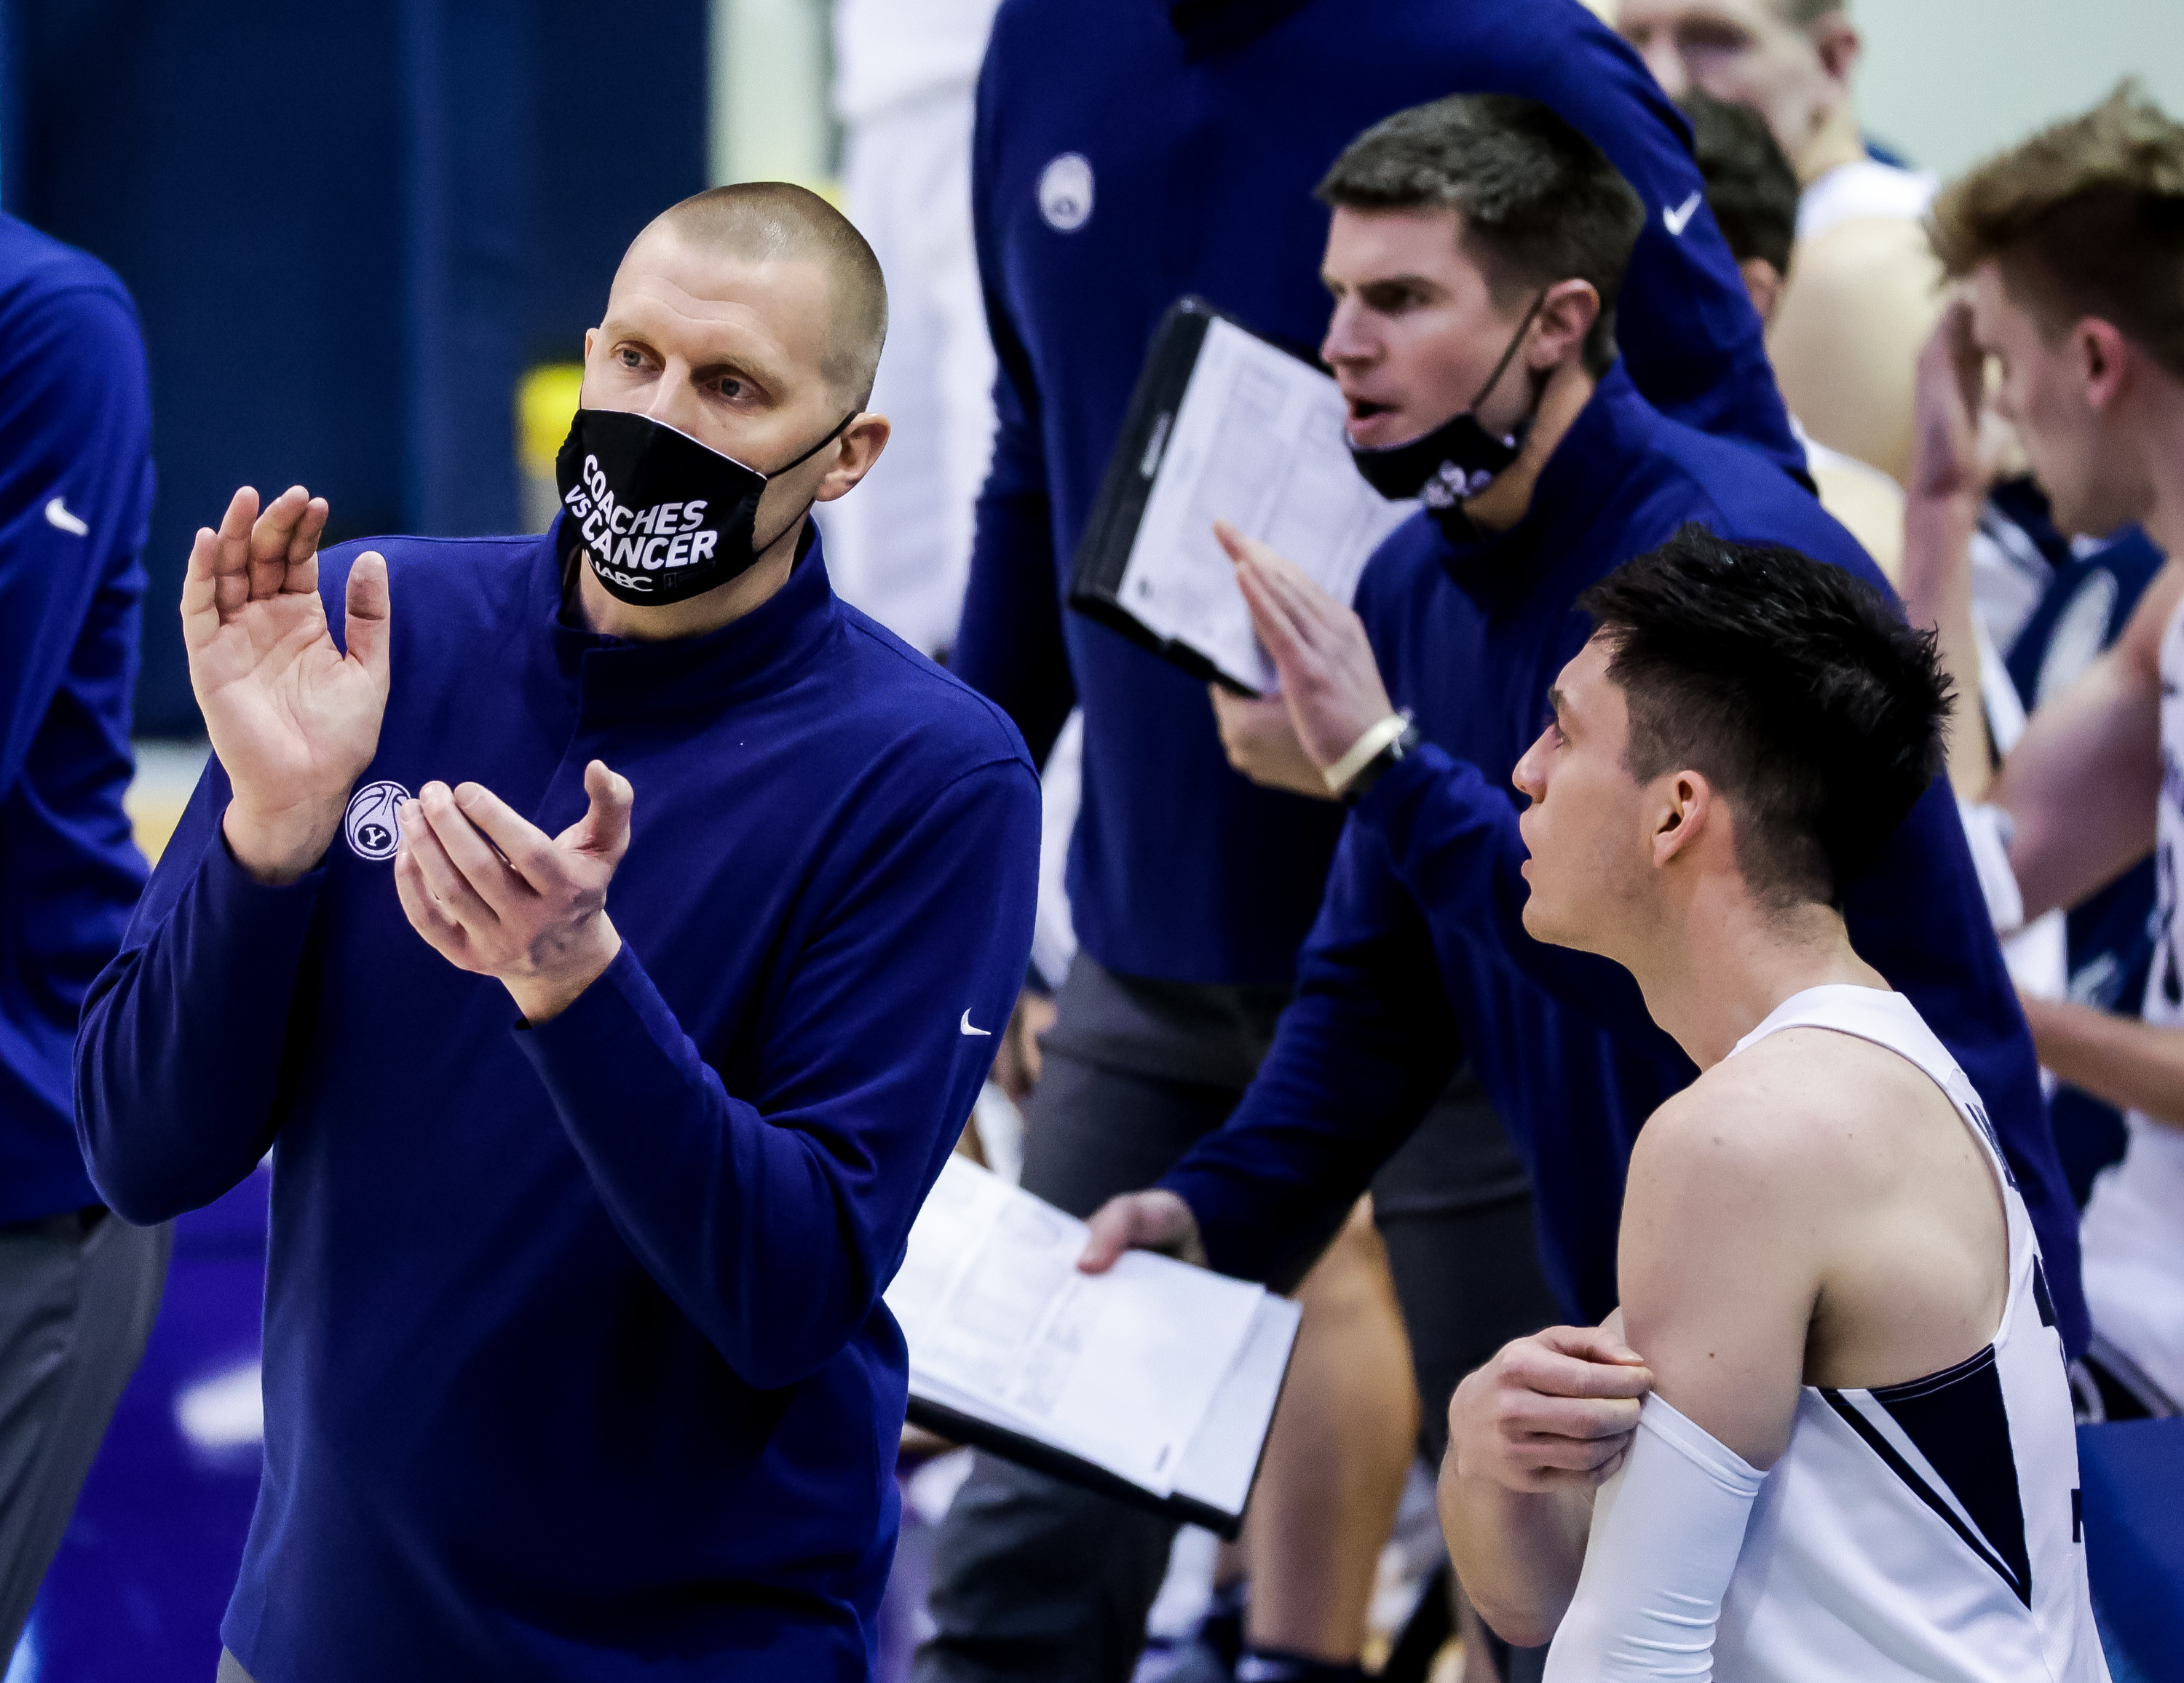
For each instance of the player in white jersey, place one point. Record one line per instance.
(2071, 248)
(1857, 1460)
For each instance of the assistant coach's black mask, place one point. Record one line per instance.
(660, 516)
(1459, 458)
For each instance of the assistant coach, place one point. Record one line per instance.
(576, 1363)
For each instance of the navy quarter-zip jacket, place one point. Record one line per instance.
(1419, 956)
(575, 1364)
(75, 494)
(1200, 137)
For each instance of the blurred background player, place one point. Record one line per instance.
(904, 73)
(78, 1288)
(1124, 158)
(2043, 605)
(1846, 334)
(1752, 191)
(2072, 245)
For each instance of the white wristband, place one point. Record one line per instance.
(1376, 738)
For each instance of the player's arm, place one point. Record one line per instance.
(1718, 1261)
(1862, 298)
(2133, 1065)
(2080, 786)
(773, 1215)
(1945, 488)
(1724, 1220)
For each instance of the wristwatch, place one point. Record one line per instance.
(1395, 744)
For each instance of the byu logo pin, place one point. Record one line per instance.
(370, 824)
(1065, 192)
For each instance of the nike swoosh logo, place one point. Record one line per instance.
(968, 1030)
(1680, 219)
(57, 514)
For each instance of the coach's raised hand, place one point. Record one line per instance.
(293, 718)
(1330, 682)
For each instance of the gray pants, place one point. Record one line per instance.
(1039, 1580)
(78, 1295)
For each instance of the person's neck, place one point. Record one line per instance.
(1715, 974)
(694, 617)
(1838, 141)
(1507, 498)
(2163, 439)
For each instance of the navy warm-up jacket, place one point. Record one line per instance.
(76, 497)
(576, 1363)
(1420, 958)
(1130, 152)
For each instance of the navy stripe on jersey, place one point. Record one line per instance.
(1957, 1421)
(2046, 1304)
(1925, 1492)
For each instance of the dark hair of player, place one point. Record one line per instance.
(1750, 185)
(2087, 218)
(1795, 688)
(1536, 202)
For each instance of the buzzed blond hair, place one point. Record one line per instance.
(2084, 219)
(780, 222)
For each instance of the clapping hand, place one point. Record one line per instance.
(293, 719)
(493, 893)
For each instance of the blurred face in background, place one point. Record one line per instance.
(1748, 52)
(1416, 331)
(2059, 391)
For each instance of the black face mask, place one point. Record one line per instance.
(1459, 458)
(660, 517)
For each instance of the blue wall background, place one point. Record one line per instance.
(348, 230)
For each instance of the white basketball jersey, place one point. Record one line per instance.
(2133, 1243)
(1929, 1529)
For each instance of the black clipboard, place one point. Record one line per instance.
(1103, 553)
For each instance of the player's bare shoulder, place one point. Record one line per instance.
(1802, 1102)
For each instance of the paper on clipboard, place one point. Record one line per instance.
(1121, 1368)
(1257, 441)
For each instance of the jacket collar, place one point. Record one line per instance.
(1603, 447)
(763, 651)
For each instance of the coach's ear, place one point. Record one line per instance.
(1685, 815)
